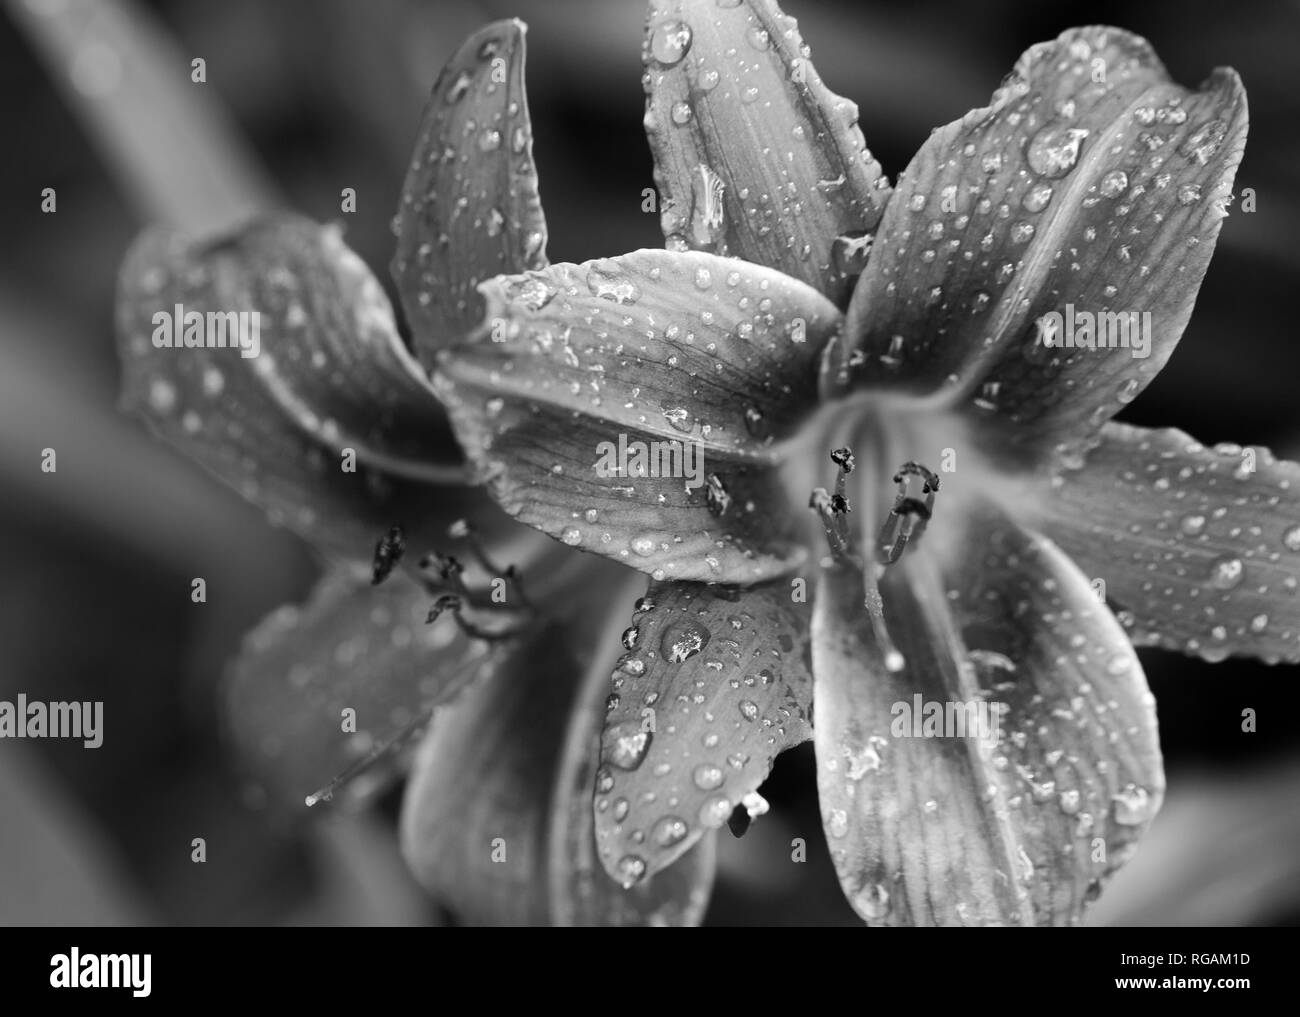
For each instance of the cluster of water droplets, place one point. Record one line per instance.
(655, 801)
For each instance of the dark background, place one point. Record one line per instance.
(95, 561)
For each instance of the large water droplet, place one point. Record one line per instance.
(642, 546)
(668, 831)
(715, 811)
(707, 209)
(670, 41)
(1054, 150)
(624, 745)
(1132, 806)
(707, 776)
(682, 640)
(1291, 539)
(1227, 572)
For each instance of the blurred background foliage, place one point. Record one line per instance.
(306, 97)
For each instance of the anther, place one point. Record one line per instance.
(388, 552)
(913, 507)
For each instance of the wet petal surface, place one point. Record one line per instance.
(1019, 823)
(1198, 548)
(630, 406)
(1091, 185)
(470, 208)
(350, 647)
(496, 822)
(754, 155)
(330, 426)
(714, 684)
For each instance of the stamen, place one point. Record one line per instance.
(463, 529)
(913, 507)
(372, 757)
(893, 657)
(388, 552)
(455, 603)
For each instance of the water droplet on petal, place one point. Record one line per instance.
(715, 812)
(1203, 142)
(631, 869)
(1113, 184)
(707, 776)
(670, 41)
(571, 536)
(668, 831)
(1291, 539)
(642, 546)
(682, 640)
(458, 88)
(1037, 197)
(1227, 572)
(681, 113)
(1132, 806)
(872, 901)
(162, 395)
(624, 745)
(1054, 150)
(606, 280)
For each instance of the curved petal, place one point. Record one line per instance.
(1199, 548)
(1092, 183)
(320, 371)
(470, 208)
(928, 825)
(754, 155)
(707, 360)
(715, 684)
(351, 646)
(488, 819)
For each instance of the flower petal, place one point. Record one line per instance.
(329, 374)
(1090, 181)
(488, 823)
(714, 685)
(754, 155)
(595, 362)
(470, 208)
(960, 831)
(350, 647)
(1198, 552)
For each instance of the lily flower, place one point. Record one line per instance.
(993, 545)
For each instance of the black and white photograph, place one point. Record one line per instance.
(534, 463)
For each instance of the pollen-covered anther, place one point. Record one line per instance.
(832, 508)
(388, 553)
(913, 508)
